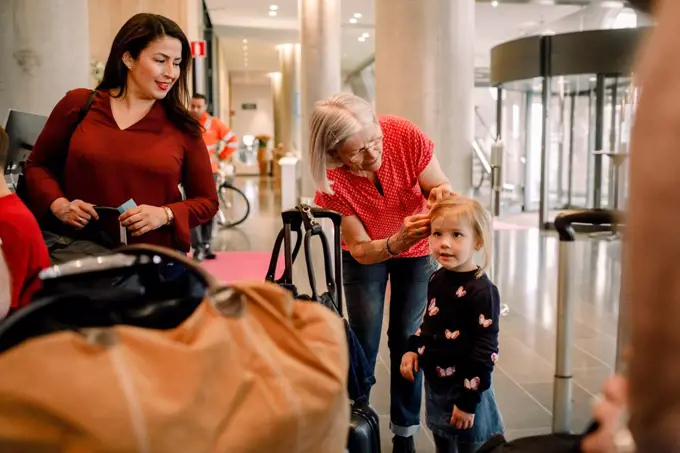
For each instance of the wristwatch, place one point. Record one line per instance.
(169, 214)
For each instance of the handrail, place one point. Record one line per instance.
(486, 126)
(481, 156)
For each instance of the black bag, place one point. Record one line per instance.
(364, 432)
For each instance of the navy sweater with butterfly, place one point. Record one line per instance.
(457, 342)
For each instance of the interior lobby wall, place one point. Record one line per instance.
(107, 16)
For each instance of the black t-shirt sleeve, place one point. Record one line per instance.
(476, 371)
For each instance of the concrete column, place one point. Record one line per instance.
(320, 67)
(276, 95)
(424, 69)
(44, 52)
(289, 94)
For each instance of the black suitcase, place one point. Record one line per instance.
(364, 430)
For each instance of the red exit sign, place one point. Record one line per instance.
(198, 48)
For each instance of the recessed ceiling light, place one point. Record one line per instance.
(274, 7)
(272, 13)
(365, 35)
(357, 15)
(353, 21)
(362, 39)
(494, 3)
(245, 41)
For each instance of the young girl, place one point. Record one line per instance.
(457, 343)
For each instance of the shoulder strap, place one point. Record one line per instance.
(82, 113)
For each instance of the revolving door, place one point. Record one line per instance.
(565, 105)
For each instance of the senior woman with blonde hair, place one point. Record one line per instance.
(380, 173)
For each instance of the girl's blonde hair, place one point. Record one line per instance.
(333, 121)
(473, 212)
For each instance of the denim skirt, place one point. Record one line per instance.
(439, 409)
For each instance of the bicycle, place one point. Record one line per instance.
(234, 205)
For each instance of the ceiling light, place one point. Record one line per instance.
(274, 8)
(357, 15)
(365, 35)
(353, 21)
(272, 13)
(494, 3)
(611, 4)
(362, 39)
(245, 41)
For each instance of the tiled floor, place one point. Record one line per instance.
(526, 274)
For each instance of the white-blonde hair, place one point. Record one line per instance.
(333, 121)
(478, 217)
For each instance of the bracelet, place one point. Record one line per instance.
(169, 214)
(387, 247)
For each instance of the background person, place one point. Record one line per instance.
(22, 242)
(378, 173)
(221, 143)
(137, 142)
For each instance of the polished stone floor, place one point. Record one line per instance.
(525, 272)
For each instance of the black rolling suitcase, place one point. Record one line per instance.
(364, 431)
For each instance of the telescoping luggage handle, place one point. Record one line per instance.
(562, 394)
(293, 221)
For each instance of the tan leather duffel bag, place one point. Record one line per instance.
(249, 371)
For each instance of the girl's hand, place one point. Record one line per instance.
(462, 420)
(409, 365)
(143, 218)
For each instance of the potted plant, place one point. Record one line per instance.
(262, 158)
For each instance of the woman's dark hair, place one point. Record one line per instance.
(135, 35)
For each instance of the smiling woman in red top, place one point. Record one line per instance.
(137, 141)
(381, 174)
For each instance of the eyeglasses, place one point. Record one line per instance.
(373, 145)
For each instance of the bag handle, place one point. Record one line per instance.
(328, 267)
(214, 286)
(287, 276)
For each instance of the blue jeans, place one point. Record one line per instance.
(365, 286)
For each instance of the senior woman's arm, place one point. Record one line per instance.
(432, 177)
(367, 251)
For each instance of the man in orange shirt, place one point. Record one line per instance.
(221, 143)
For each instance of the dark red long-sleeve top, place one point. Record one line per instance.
(106, 166)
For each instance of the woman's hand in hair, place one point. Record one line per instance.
(414, 229)
(439, 193)
(76, 213)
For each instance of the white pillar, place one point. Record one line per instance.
(276, 98)
(290, 91)
(44, 52)
(424, 69)
(320, 68)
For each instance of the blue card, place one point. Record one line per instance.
(127, 205)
